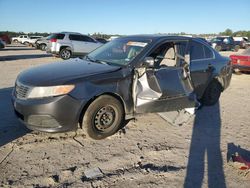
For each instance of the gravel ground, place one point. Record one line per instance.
(148, 152)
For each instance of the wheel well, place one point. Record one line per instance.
(63, 47)
(93, 99)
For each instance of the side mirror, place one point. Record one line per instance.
(148, 62)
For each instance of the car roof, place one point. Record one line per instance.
(67, 32)
(156, 37)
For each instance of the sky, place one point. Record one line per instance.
(125, 16)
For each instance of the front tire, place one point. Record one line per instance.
(103, 117)
(65, 53)
(212, 94)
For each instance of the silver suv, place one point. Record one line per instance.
(69, 44)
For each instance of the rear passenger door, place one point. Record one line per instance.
(89, 44)
(202, 61)
(77, 43)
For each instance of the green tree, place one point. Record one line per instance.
(227, 32)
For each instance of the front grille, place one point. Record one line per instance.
(21, 90)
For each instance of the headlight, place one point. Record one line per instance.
(39, 92)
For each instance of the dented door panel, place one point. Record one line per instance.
(162, 90)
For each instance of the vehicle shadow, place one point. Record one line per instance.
(17, 48)
(205, 144)
(10, 127)
(17, 57)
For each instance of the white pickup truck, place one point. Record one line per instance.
(25, 39)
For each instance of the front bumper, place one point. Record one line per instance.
(54, 114)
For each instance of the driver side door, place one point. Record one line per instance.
(166, 85)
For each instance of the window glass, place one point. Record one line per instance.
(196, 51)
(208, 52)
(86, 39)
(200, 51)
(59, 36)
(118, 51)
(75, 37)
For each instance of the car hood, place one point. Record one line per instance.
(62, 72)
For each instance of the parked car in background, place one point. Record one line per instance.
(241, 41)
(2, 44)
(5, 38)
(241, 62)
(20, 38)
(70, 44)
(224, 44)
(126, 76)
(42, 43)
(31, 40)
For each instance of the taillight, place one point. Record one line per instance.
(53, 40)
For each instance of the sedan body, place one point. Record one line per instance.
(127, 76)
(241, 62)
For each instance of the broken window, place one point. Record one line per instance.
(170, 54)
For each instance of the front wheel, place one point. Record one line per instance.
(65, 53)
(103, 117)
(211, 94)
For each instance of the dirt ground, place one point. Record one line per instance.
(148, 152)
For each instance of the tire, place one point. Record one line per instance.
(103, 117)
(218, 48)
(15, 41)
(26, 43)
(43, 47)
(212, 94)
(65, 53)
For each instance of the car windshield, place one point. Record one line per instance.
(217, 39)
(246, 52)
(118, 52)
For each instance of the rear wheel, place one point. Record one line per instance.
(43, 47)
(211, 94)
(65, 53)
(103, 117)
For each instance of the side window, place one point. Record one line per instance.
(200, 51)
(196, 51)
(165, 55)
(75, 37)
(208, 52)
(87, 39)
(21, 37)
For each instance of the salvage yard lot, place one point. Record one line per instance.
(148, 152)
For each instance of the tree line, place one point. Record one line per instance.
(227, 32)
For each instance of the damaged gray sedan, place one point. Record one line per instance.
(127, 76)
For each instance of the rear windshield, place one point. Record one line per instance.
(57, 36)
